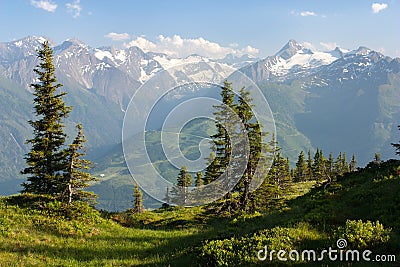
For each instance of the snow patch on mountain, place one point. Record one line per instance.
(101, 54)
(302, 59)
(295, 58)
(121, 55)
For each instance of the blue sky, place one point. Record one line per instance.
(205, 26)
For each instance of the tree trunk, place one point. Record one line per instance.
(245, 194)
(69, 193)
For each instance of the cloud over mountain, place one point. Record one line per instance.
(176, 46)
(118, 36)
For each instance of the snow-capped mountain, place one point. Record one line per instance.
(20, 49)
(294, 61)
(107, 71)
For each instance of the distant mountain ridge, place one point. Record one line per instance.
(337, 100)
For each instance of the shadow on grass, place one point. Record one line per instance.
(145, 250)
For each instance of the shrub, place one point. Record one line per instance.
(362, 235)
(79, 211)
(75, 219)
(243, 251)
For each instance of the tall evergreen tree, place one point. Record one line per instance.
(318, 167)
(180, 192)
(138, 200)
(338, 166)
(76, 176)
(252, 129)
(45, 161)
(345, 164)
(280, 175)
(329, 166)
(353, 164)
(199, 179)
(288, 170)
(309, 169)
(300, 170)
(221, 140)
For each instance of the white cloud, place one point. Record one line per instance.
(307, 14)
(143, 44)
(309, 46)
(249, 50)
(377, 7)
(177, 46)
(117, 36)
(47, 5)
(329, 46)
(74, 8)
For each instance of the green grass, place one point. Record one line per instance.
(24, 242)
(39, 234)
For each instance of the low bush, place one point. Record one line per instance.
(243, 251)
(363, 235)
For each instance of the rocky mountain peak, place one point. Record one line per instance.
(290, 49)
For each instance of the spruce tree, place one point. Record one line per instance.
(45, 161)
(280, 176)
(318, 167)
(221, 140)
(138, 200)
(76, 176)
(300, 170)
(252, 129)
(180, 192)
(309, 169)
(338, 165)
(199, 179)
(288, 170)
(329, 166)
(353, 164)
(345, 164)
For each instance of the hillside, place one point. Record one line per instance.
(33, 233)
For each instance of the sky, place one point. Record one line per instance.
(211, 28)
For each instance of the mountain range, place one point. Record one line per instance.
(339, 100)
